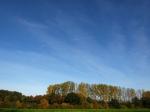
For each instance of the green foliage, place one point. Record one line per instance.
(137, 102)
(55, 98)
(73, 98)
(114, 104)
(146, 99)
(89, 100)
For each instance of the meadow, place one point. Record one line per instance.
(74, 110)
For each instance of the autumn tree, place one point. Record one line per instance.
(83, 89)
(43, 103)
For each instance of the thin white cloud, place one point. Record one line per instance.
(29, 24)
(81, 59)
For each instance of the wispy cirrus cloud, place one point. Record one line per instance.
(29, 24)
(81, 59)
(96, 42)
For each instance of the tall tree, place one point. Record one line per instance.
(83, 89)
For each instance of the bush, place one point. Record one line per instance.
(73, 98)
(114, 104)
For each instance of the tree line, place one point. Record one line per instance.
(82, 95)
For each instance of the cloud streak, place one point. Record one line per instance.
(91, 45)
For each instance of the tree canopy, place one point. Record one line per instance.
(82, 95)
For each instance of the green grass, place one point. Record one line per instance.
(74, 110)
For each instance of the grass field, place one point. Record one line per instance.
(74, 110)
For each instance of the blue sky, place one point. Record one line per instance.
(95, 41)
